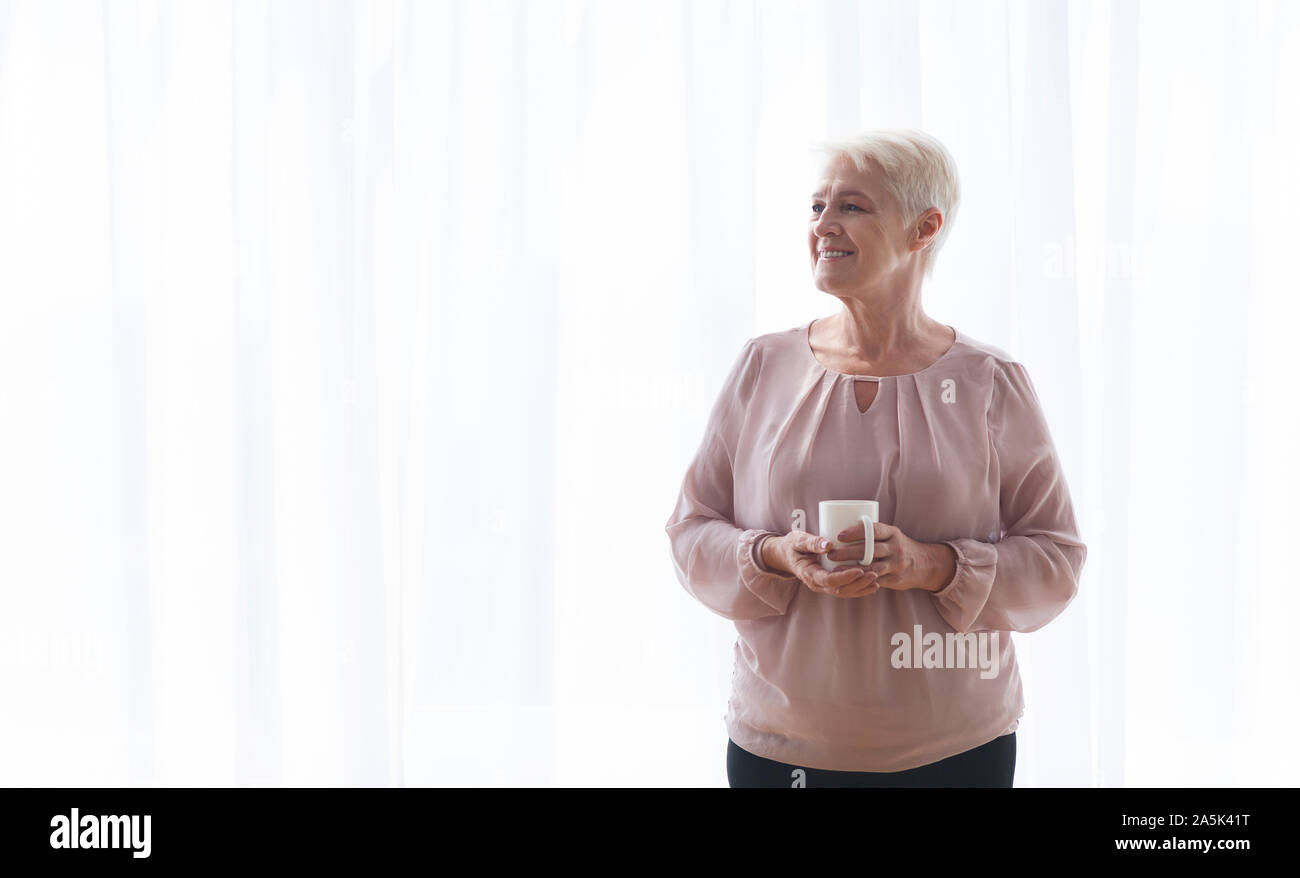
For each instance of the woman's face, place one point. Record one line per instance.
(852, 211)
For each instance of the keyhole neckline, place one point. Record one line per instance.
(807, 337)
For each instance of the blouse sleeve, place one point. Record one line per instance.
(1026, 579)
(713, 558)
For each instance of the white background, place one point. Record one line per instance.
(351, 356)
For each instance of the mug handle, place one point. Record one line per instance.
(869, 531)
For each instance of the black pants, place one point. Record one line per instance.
(989, 765)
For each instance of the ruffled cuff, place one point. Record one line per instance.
(962, 599)
(774, 588)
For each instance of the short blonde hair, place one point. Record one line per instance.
(919, 173)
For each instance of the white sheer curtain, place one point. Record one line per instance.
(351, 355)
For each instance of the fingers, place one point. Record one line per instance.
(812, 574)
(853, 551)
(859, 588)
(891, 581)
(860, 582)
(853, 581)
(854, 534)
(810, 543)
(857, 533)
(849, 544)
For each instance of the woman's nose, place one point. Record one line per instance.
(823, 228)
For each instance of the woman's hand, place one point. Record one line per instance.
(797, 552)
(899, 562)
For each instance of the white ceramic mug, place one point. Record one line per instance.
(834, 516)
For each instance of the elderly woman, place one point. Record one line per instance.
(864, 676)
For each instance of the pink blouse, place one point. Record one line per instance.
(958, 453)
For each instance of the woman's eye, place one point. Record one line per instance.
(854, 206)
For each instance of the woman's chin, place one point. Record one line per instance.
(827, 285)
